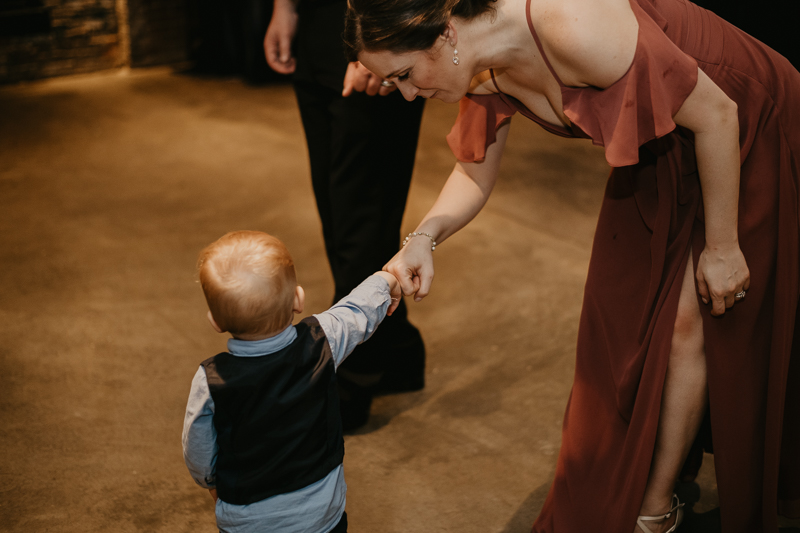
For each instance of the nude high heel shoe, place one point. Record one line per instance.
(677, 508)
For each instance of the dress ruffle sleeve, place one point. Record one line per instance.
(479, 118)
(639, 106)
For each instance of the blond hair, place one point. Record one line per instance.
(249, 281)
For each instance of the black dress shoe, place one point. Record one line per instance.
(405, 372)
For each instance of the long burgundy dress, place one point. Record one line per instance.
(651, 218)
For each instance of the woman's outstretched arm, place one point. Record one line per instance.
(463, 196)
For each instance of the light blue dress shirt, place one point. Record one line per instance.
(318, 507)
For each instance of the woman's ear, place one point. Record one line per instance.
(299, 300)
(450, 34)
(214, 323)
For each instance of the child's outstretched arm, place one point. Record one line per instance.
(199, 435)
(355, 317)
(395, 292)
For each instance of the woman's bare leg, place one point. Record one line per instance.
(683, 404)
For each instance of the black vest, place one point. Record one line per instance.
(277, 418)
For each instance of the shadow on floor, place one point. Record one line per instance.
(689, 493)
(527, 512)
(707, 522)
(386, 407)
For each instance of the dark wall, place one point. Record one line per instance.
(159, 33)
(43, 38)
(227, 38)
(773, 22)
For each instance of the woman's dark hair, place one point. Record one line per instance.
(403, 25)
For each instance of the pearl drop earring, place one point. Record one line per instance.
(455, 56)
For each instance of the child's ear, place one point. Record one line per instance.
(299, 300)
(214, 323)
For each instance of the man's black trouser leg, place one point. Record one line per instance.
(362, 152)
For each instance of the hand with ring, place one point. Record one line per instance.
(722, 277)
(360, 78)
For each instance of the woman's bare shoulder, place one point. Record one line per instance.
(589, 42)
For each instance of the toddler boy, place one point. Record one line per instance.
(262, 430)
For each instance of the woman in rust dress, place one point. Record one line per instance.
(691, 300)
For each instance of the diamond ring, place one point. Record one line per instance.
(387, 83)
(740, 295)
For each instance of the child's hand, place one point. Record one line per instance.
(394, 290)
(213, 493)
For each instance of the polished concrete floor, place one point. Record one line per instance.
(109, 187)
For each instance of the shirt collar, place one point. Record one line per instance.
(266, 346)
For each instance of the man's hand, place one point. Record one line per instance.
(279, 37)
(360, 78)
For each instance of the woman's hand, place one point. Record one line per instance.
(721, 274)
(713, 117)
(360, 78)
(463, 196)
(413, 267)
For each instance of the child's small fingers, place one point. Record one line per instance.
(395, 303)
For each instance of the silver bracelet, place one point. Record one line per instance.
(417, 234)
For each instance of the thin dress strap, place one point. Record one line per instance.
(538, 44)
(491, 72)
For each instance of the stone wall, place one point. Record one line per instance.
(43, 38)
